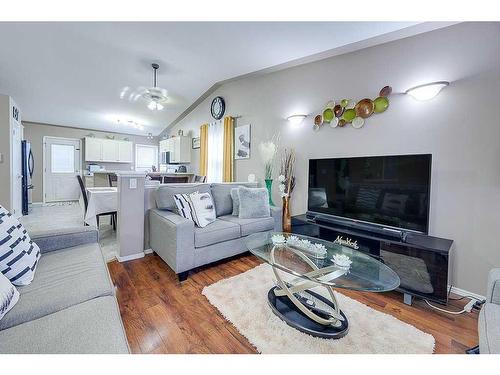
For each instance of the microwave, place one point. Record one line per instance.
(165, 157)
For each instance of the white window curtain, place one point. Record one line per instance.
(215, 151)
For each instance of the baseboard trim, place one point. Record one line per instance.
(148, 251)
(130, 257)
(463, 293)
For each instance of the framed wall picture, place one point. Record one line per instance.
(242, 142)
(195, 142)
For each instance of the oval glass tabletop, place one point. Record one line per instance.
(294, 255)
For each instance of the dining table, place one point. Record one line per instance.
(100, 200)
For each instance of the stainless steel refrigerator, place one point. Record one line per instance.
(27, 167)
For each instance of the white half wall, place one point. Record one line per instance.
(460, 127)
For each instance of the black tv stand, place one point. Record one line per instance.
(421, 261)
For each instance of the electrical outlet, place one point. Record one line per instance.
(133, 183)
(469, 305)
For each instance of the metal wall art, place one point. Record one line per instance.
(349, 112)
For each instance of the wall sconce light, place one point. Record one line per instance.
(427, 91)
(296, 120)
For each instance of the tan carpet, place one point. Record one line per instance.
(242, 300)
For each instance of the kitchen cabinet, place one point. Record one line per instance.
(179, 148)
(93, 149)
(108, 150)
(125, 153)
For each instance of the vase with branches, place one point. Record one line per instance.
(268, 151)
(286, 185)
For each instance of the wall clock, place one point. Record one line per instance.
(218, 107)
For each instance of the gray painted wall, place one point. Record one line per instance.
(460, 127)
(34, 132)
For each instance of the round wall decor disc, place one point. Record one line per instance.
(358, 122)
(334, 122)
(328, 115)
(381, 104)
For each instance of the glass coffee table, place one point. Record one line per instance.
(300, 263)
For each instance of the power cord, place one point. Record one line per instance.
(467, 308)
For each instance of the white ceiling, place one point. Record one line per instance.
(72, 74)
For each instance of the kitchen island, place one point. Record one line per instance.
(166, 177)
(100, 178)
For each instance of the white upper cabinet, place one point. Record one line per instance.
(125, 152)
(179, 148)
(93, 149)
(108, 150)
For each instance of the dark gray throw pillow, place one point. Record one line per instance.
(236, 201)
(254, 203)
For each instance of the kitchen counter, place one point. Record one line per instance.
(170, 174)
(87, 173)
(167, 177)
(100, 178)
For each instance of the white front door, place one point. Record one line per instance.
(62, 165)
(17, 177)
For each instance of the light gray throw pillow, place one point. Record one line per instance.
(254, 203)
(8, 295)
(236, 201)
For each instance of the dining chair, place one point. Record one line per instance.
(156, 178)
(198, 178)
(112, 179)
(173, 180)
(86, 204)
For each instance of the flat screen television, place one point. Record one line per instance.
(387, 191)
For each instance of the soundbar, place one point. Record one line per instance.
(359, 225)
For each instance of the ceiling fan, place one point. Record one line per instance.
(155, 96)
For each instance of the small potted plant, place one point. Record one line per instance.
(268, 152)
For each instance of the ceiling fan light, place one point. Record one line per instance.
(155, 106)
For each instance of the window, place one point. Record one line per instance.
(146, 156)
(62, 158)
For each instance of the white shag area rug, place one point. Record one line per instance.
(242, 300)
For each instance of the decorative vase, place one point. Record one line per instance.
(287, 219)
(269, 185)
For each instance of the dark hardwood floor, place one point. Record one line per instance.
(162, 315)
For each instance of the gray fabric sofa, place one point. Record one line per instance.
(70, 306)
(489, 317)
(183, 246)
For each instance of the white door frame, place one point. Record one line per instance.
(16, 173)
(44, 170)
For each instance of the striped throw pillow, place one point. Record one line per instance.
(18, 254)
(203, 208)
(8, 295)
(184, 207)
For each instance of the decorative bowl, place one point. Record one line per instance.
(318, 248)
(278, 239)
(342, 260)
